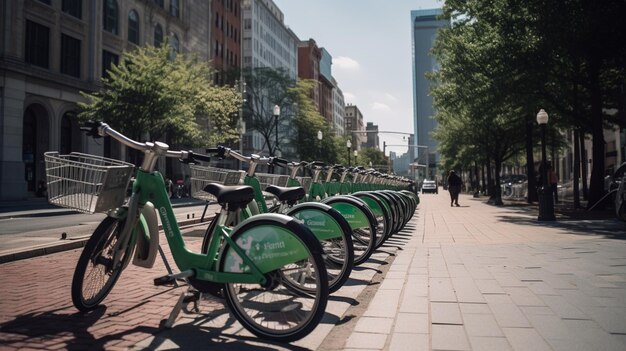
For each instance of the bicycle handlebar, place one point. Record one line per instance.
(97, 129)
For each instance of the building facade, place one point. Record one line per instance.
(339, 110)
(372, 136)
(267, 42)
(225, 37)
(309, 58)
(51, 50)
(354, 126)
(424, 27)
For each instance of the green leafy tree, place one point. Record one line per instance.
(267, 87)
(171, 98)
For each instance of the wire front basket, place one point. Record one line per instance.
(271, 179)
(201, 176)
(86, 183)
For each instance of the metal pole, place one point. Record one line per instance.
(546, 206)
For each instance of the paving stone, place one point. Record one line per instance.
(509, 315)
(384, 304)
(489, 286)
(525, 339)
(466, 290)
(413, 304)
(445, 313)
(409, 341)
(484, 343)
(563, 308)
(412, 323)
(474, 308)
(522, 296)
(481, 325)
(374, 325)
(392, 284)
(449, 337)
(366, 341)
(441, 290)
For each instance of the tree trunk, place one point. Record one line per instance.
(489, 179)
(596, 184)
(576, 170)
(496, 198)
(530, 164)
(584, 163)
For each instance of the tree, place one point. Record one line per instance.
(171, 97)
(267, 87)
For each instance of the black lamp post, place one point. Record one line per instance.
(276, 114)
(546, 207)
(349, 146)
(319, 137)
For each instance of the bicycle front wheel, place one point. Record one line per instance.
(293, 300)
(95, 275)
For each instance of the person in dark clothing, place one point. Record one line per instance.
(454, 187)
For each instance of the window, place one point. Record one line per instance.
(70, 56)
(175, 43)
(37, 44)
(133, 27)
(159, 3)
(158, 35)
(68, 126)
(174, 8)
(108, 59)
(110, 16)
(47, 2)
(73, 7)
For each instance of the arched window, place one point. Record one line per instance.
(68, 126)
(158, 35)
(133, 27)
(175, 43)
(110, 16)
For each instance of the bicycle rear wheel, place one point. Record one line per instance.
(95, 275)
(293, 300)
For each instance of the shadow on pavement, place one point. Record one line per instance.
(71, 331)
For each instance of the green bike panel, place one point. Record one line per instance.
(258, 193)
(269, 247)
(355, 217)
(373, 205)
(322, 225)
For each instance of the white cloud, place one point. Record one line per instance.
(346, 63)
(379, 106)
(390, 97)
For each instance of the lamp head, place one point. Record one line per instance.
(356, 153)
(276, 110)
(542, 117)
(319, 135)
(348, 144)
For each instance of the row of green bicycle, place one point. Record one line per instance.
(273, 266)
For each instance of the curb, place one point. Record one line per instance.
(71, 244)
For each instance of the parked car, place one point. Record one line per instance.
(430, 186)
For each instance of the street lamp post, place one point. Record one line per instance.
(546, 207)
(319, 137)
(349, 146)
(276, 114)
(356, 153)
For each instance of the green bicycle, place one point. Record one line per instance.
(328, 226)
(263, 265)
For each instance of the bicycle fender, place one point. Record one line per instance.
(316, 217)
(353, 209)
(268, 245)
(147, 233)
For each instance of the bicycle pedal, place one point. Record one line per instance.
(164, 280)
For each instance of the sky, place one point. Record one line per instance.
(370, 42)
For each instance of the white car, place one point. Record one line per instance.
(430, 186)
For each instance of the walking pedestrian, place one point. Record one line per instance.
(554, 181)
(454, 187)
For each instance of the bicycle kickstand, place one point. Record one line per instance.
(185, 298)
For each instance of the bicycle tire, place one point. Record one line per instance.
(338, 265)
(279, 312)
(86, 297)
(364, 238)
